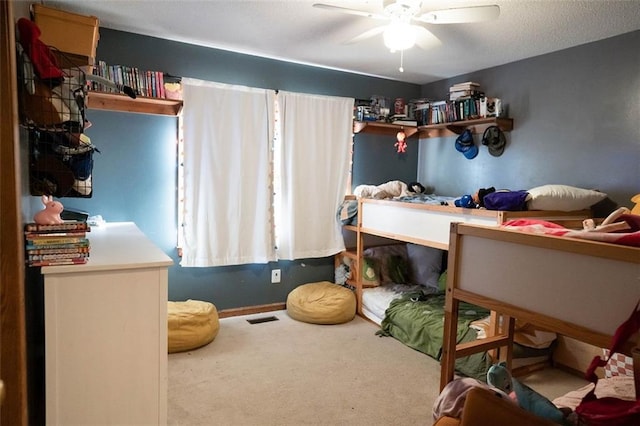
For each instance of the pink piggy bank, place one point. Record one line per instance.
(51, 213)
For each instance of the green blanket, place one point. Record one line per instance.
(417, 320)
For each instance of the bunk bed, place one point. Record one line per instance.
(428, 225)
(578, 288)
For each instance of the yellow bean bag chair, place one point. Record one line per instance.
(192, 324)
(321, 303)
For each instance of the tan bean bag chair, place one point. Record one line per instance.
(321, 303)
(192, 324)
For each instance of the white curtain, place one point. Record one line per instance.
(316, 132)
(228, 133)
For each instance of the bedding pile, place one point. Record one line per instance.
(404, 294)
(416, 319)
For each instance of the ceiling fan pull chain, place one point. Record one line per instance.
(401, 69)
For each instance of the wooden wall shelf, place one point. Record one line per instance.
(433, 130)
(118, 102)
(381, 128)
(453, 129)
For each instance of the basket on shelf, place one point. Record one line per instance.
(52, 90)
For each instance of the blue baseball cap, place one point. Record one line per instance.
(465, 145)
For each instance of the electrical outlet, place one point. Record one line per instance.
(275, 276)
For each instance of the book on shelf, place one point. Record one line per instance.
(61, 249)
(69, 225)
(460, 94)
(405, 122)
(144, 82)
(48, 242)
(57, 246)
(56, 256)
(59, 262)
(467, 85)
(49, 235)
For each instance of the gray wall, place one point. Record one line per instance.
(135, 174)
(575, 115)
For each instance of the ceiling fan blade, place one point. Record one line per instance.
(425, 38)
(367, 34)
(461, 15)
(350, 11)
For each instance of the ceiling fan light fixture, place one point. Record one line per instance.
(399, 35)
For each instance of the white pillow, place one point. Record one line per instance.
(562, 197)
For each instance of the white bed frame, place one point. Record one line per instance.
(578, 288)
(429, 225)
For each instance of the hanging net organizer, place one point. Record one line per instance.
(52, 92)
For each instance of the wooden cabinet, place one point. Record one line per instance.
(118, 102)
(477, 126)
(106, 332)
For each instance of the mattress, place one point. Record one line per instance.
(376, 300)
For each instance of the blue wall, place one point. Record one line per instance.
(575, 115)
(135, 173)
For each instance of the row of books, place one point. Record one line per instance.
(466, 102)
(144, 83)
(59, 244)
(459, 110)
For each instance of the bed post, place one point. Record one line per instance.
(359, 249)
(448, 358)
(506, 329)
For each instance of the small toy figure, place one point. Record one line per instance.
(50, 215)
(500, 377)
(401, 144)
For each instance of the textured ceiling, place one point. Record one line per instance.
(297, 32)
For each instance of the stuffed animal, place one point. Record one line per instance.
(478, 197)
(416, 188)
(51, 213)
(391, 189)
(610, 223)
(636, 204)
(499, 377)
(401, 144)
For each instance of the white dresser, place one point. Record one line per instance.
(106, 332)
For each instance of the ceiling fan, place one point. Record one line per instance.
(401, 33)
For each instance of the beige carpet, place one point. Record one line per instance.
(287, 372)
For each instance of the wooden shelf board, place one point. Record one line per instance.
(433, 130)
(381, 128)
(455, 128)
(118, 102)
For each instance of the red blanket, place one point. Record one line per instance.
(630, 237)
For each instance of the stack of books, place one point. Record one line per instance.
(468, 89)
(60, 244)
(402, 120)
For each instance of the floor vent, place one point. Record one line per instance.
(262, 319)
